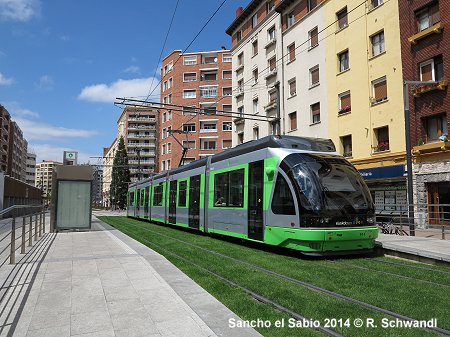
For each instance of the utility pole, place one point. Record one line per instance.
(410, 191)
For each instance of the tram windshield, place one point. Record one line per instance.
(328, 186)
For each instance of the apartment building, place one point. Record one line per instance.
(199, 87)
(44, 172)
(17, 153)
(108, 160)
(5, 120)
(30, 169)
(425, 42)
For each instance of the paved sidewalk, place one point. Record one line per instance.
(429, 248)
(103, 283)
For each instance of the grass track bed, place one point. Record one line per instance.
(333, 276)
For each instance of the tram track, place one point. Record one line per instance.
(306, 285)
(409, 266)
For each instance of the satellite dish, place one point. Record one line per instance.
(215, 59)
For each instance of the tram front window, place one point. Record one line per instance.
(329, 188)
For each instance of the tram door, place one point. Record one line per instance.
(194, 202)
(255, 200)
(146, 196)
(173, 202)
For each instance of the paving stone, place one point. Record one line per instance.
(60, 331)
(88, 322)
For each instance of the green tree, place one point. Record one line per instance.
(120, 176)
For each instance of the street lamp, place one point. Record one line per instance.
(410, 192)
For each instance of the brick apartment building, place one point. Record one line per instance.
(425, 41)
(200, 80)
(17, 153)
(5, 120)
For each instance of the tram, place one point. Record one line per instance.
(287, 191)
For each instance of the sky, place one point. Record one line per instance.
(63, 62)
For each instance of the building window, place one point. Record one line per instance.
(346, 142)
(315, 113)
(169, 99)
(169, 115)
(163, 133)
(189, 127)
(272, 63)
(226, 144)
(189, 93)
(272, 96)
(254, 47)
(240, 88)
(290, 19)
(189, 144)
(229, 189)
(209, 59)
(377, 44)
(226, 108)
(227, 126)
(163, 150)
(189, 110)
(342, 18)
(381, 139)
(435, 126)
(241, 112)
(169, 147)
(291, 52)
(227, 91)
(165, 86)
(271, 34)
(379, 90)
(293, 121)
(255, 106)
(226, 58)
(227, 75)
(375, 4)
(312, 4)
(344, 63)
(208, 76)
(270, 5)
(432, 70)
(209, 109)
(164, 119)
(239, 35)
(292, 87)
(345, 103)
(254, 20)
(208, 144)
(255, 133)
(428, 16)
(168, 68)
(255, 75)
(208, 92)
(313, 37)
(241, 59)
(189, 77)
(240, 138)
(190, 60)
(314, 76)
(207, 126)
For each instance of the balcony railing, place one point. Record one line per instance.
(208, 130)
(142, 119)
(435, 29)
(271, 73)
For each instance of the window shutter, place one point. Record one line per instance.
(427, 72)
(380, 91)
(292, 52)
(293, 117)
(314, 37)
(292, 88)
(342, 18)
(345, 101)
(315, 76)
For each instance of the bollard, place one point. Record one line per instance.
(12, 254)
(35, 227)
(30, 232)
(22, 247)
(443, 232)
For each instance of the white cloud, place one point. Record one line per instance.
(120, 88)
(132, 69)
(45, 82)
(17, 111)
(4, 80)
(41, 131)
(19, 10)
(50, 152)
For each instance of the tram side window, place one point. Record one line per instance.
(142, 197)
(182, 193)
(131, 199)
(229, 189)
(282, 202)
(138, 194)
(158, 195)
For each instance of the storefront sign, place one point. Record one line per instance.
(396, 171)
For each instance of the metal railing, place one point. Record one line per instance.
(28, 214)
(413, 219)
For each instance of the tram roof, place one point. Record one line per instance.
(287, 142)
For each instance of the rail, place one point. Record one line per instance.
(411, 219)
(29, 215)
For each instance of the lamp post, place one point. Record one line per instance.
(410, 191)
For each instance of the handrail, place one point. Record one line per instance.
(13, 207)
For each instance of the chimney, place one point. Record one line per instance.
(223, 48)
(239, 11)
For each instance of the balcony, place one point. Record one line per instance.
(271, 73)
(272, 105)
(141, 145)
(270, 42)
(141, 162)
(208, 130)
(239, 93)
(142, 119)
(239, 68)
(137, 135)
(441, 85)
(141, 127)
(435, 29)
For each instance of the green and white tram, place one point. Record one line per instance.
(285, 191)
